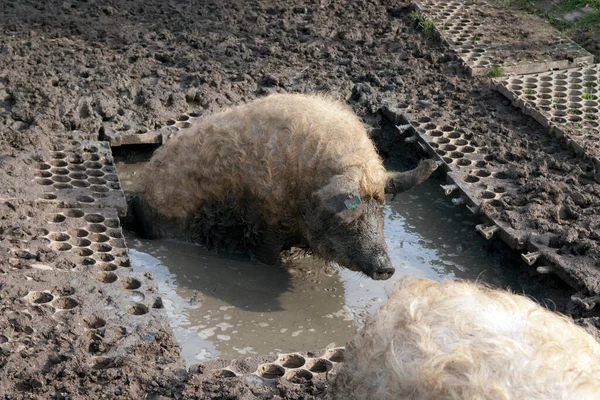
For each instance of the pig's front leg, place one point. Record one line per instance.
(270, 247)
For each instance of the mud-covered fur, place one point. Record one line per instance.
(296, 169)
(461, 341)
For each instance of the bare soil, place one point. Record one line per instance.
(81, 68)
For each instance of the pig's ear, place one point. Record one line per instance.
(341, 198)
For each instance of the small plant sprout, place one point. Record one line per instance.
(425, 24)
(476, 38)
(558, 100)
(589, 96)
(590, 116)
(496, 71)
(529, 91)
(579, 125)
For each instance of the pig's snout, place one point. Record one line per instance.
(381, 269)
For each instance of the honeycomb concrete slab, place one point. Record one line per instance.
(78, 301)
(488, 37)
(567, 102)
(159, 135)
(76, 174)
(273, 376)
(479, 182)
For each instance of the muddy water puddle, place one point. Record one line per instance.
(229, 307)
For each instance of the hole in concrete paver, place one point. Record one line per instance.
(108, 267)
(65, 303)
(99, 237)
(59, 237)
(319, 365)
(105, 257)
(111, 177)
(95, 172)
(299, 376)
(61, 179)
(97, 181)
(3, 339)
(64, 247)
(271, 371)
(59, 163)
(49, 196)
(85, 199)
(88, 261)
(83, 252)
(495, 203)
(60, 155)
(94, 218)
(92, 165)
(43, 174)
(81, 233)
(60, 171)
(101, 247)
(335, 355)
(44, 166)
(93, 322)
(184, 125)
(131, 283)
(78, 175)
(137, 296)
(487, 195)
(40, 297)
(97, 228)
(73, 213)
(292, 360)
(114, 185)
(80, 183)
(115, 233)
(55, 218)
(80, 242)
(99, 189)
(44, 182)
(483, 173)
(112, 223)
(107, 277)
(138, 309)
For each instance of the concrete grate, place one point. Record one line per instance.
(478, 181)
(567, 102)
(292, 367)
(162, 132)
(484, 37)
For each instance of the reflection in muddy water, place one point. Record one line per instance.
(230, 307)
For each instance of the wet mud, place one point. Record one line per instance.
(78, 69)
(224, 306)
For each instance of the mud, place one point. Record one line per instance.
(230, 307)
(79, 69)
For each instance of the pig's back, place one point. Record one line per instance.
(278, 149)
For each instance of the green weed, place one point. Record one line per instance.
(496, 71)
(423, 23)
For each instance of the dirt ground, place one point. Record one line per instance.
(93, 67)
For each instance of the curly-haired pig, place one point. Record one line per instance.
(284, 170)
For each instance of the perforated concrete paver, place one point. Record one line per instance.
(565, 101)
(476, 180)
(159, 135)
(485, 38)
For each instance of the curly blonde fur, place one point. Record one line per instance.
(459, 340)
(277, 150)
